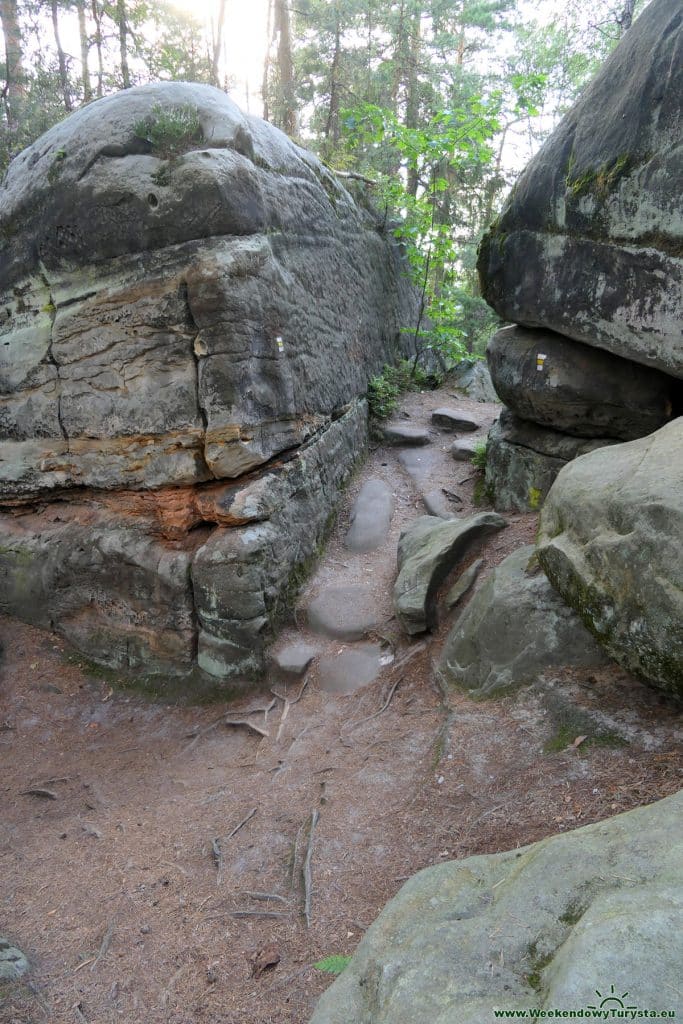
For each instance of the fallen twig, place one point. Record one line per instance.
(354, 176)
(283, 719)
(243, 822)
(362, 721)
(264, 896)
(106, 943)
(45, 794)
(296, 699)
(217, 858)
(408, 655)
(258, 913)
(306, 869)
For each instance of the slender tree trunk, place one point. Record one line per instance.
(332, 124)
(85, 51)
(265, 84)
(15, 76)
(626, 19)
(218, 42)
(123, 41)
(285, 64)
(97, 18)
(412, 94)
(61, 57)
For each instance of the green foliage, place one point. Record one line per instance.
(334, 964)
(385, 388)
(479, 457)
(171, 130)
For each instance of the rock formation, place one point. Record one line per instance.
(539, 928)
(588, 248)
(610, 543)
(190, 307)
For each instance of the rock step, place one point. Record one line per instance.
(464, 448)
(421, 466)
(427, 552)
(370, 517)
(351, 669)
(398, 433)
(345, 613)
(454, 419)
(294, 659)
(437, 504)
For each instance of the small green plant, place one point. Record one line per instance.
(478, 459)
(171, 131)
(56, 167)
(385, 388)
(334, 964)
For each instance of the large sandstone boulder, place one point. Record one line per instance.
(174, 316)
(610, 543)
(589, 243)
(523, 460)
(574, 388)
(540, 929)
(514, 630)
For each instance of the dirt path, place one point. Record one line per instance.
(128, 893)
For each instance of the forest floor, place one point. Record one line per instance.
(129, 882)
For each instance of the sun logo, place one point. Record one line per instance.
(611, 1000)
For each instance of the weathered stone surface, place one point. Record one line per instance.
(167, 326)
(403, 434)
(464, 583)
(351, 669)
(138, 582)
(210, 324)
(437, 504)
(428, 550)
(590, 241)
(474, 380)
(347, 612)
(610, 542)
(523, 460)
(577, 389)
(294, 659)
(454, 419)
(370, 517)
(514, 629)
(464, 448)
(420, 466)
(13, 963)
(538, 928)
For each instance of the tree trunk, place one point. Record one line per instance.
(123, 41)
(218, 42)
(412, 85)
(285, 64)
(15, 76)
(626, 19)
(85, 51)
(97, 18)
(63, 73)
(332, 124)
(265, 84)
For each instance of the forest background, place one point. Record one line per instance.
(427, 108)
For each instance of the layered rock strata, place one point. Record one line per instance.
(185, 334)
(589, 248)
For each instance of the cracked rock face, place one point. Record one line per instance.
(184, 337)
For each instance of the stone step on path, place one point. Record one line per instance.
(403, 434)
(464, 448)
(294, 659)
(344, 612)
(438, 504)
(350, 669)
(455, 420)
(370, 517)
(421, 466)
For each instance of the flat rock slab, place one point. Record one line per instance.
(530, 928)
(514, 630)
(464, 583)
(437, 504)
(398, 433)
(420, 466)
(294, 659)
(355, 667)
(370, 517)
(454, 419)
(427, 552)
(346, 613)
(13, 963)
(464, 448)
